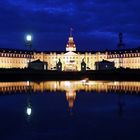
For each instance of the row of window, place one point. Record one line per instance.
(61, 57)
(88, 58)
(124, 55)
(129, 62)
(133, 88)
(16, 61)
(13, 88)
(16, 55)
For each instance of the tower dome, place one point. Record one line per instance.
(70, 45)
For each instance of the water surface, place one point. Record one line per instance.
(69, 110)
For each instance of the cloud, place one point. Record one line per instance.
(95, 23)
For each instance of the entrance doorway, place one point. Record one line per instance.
(70, 67)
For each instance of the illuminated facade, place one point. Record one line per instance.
(70, 59)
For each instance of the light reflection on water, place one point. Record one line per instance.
(71, 87)
(92, 108)
(98, 86)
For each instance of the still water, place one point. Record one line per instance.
(70, 110)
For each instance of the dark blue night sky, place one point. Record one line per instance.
(96, 23)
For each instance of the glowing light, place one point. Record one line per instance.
(67, 84)
(70, 38)
(55, 85)
(28, 83)
(29, 111)
(116, 83)
(29, 38)
(85, 80)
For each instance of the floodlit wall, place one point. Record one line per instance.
(14, 59)
(126, 60)
(20, 59)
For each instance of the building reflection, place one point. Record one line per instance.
(71, 96)
(70, 88)
(120, 106)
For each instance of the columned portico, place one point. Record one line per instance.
(71, 61)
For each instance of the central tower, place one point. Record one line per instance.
(71, 45)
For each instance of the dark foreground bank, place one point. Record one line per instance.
(28, 74)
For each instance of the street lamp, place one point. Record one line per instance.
(28, 44)
(28, 40)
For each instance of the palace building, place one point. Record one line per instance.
(72, 60)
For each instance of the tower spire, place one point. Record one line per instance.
(121, 44)
(71, 31)
(120, 37)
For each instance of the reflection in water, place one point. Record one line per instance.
(29, 109)
(29, 105)
(70, 87)
(120, 105)
(99, 109)
(70, 96)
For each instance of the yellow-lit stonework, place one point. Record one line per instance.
(70, 59)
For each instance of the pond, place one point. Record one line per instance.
(70, 110)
